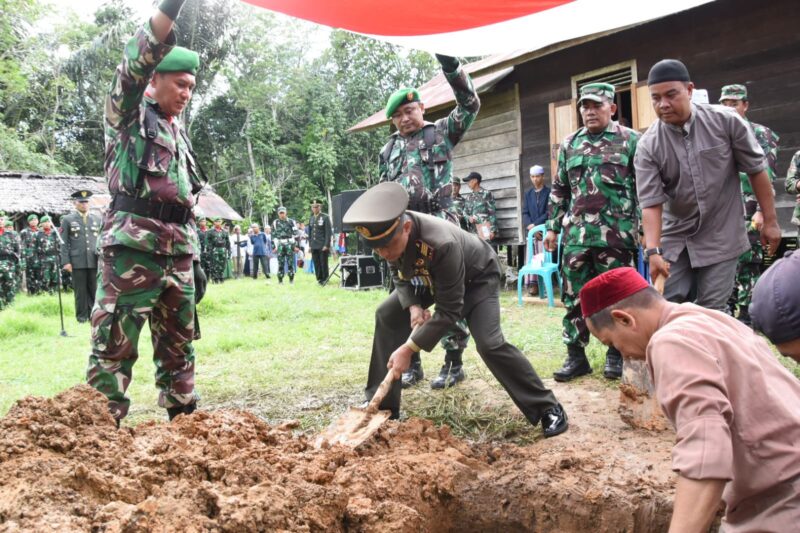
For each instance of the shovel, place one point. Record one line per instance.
(357, 424)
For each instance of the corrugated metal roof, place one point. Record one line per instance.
(25, 193)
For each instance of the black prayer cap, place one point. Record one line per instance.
(775, 307)
(668, 70)
(378, 213)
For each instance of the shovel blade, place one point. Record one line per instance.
(352, 428)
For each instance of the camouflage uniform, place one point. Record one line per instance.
(10, 257)
(205, 255)
(33, 274)
(218, 250)
(792, 184)
(459, 206)
(146, 269)
(481, 205)
(47, 247)
(593, 201)
(284, 242)
(427, 172)
(749, 268)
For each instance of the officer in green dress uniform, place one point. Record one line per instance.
(435, 263)
(79, 231)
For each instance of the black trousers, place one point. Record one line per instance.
(482, 311)
(264, 260)
(320, 259)
(84, 282)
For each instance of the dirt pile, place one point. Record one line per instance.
(65, 467)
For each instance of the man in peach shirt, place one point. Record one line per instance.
(735, 408)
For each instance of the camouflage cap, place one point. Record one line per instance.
(281, 209)
(377, 213)
(9, 223)
(218, 220)
(180, 59)
(597, 92)
(32, 216)
(736, 91)
(44, 219)
(400, 97)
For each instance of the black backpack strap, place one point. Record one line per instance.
(387, 150)
(429, 139)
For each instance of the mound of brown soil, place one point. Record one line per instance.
(65, 467)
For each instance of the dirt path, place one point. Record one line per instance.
(65, 467)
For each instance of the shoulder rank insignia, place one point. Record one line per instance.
(425, 250)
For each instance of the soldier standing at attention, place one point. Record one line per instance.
(480, 207)
(418, 156)
(33, 274)
(435, 263)
(458, 203)
(792, 184)
(319, 240)
(47, 246)
(593, 201)
(218, 249)
(283, 231)
(202, 237)
(749, 268)
(148, 238)
(9, 262)
(9, 229)
(79, 231)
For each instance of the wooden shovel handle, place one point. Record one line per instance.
(380, 394)
(658, 283)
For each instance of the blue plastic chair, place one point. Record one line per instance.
(549, 266)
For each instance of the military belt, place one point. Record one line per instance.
(163, 211)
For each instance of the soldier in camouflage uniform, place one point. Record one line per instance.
(749, 268)
(792, 184)
(18, 267)
(202, 237)
(30, 262)
(148, 239)
(459, 203)
(219, 250)
(9, 262)
(593, 201)
(47, 247)
(480, 207)
(285, 244)
(419, 157)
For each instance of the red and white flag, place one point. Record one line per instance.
(477, 27)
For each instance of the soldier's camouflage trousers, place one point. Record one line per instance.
(748, 270)
(285, 261)
(457, 337)
(48, 273)
(8, 282)
(219, 256)
(33, 277)
(134, 285)
(581, 264)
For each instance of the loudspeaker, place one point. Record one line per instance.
(341, 203)
(361, 272)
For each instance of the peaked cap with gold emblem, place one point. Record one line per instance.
(377, 213)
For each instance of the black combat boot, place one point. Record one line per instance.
(576, 364)
(414, 374)
(172, 412)
(452, 371)
(554, 422)
(613, 368)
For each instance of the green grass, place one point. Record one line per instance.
(284, 352)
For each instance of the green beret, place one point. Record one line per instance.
(400, 97)
(377, 214)
(597, 92)
(44, 219)
(733, 92)
(180, 59)
(32, 216)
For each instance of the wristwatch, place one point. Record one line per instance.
(653, 251)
